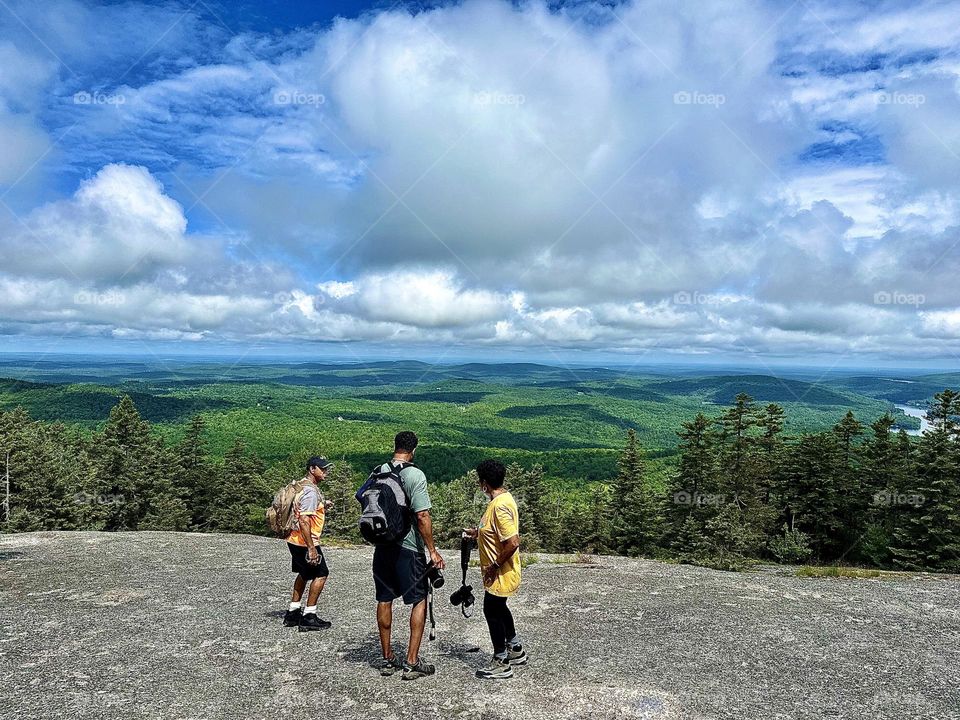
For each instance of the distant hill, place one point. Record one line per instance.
(572, 421)
(91, 404)
(906, 391)
(762, 388)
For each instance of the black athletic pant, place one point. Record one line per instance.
(499, 620)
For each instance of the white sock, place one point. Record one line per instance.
(312, 610)
(294, 606)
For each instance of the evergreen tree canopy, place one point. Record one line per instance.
(740, 491)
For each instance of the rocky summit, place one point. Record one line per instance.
(188, 626)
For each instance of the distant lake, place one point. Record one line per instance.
(917, 413)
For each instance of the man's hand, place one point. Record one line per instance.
(471, 533)
(328, 505)
(312, 556)
(425, 526)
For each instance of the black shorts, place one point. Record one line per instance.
(299, 564)
(399, 572)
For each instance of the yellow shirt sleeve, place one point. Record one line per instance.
(505, 521)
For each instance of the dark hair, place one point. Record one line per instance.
(492, 473)
(405, 441)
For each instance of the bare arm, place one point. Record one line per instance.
(305, 535)
(507, 548)
(425, 526)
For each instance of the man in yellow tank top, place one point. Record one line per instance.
(498, 541)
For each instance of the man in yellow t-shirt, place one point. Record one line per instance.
(498, 541)
(306, 557)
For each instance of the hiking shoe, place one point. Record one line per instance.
(312, 622)
(292, 617)
(388, 666)
(498, 669)
(418, 670)
(516, 655)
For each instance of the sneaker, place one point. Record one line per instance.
(516, 655)
(388, 666)
(418, 670)
(312, 622)
(498, 669)
(292, 617)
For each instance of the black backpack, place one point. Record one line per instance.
(385, 518)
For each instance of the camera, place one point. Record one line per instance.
(434, 576)
(464, 598)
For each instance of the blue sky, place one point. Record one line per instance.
(636, 181)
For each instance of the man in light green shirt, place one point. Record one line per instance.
(400, 570)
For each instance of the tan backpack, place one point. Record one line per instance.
(280, 516)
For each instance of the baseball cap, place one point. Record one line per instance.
(319, 461)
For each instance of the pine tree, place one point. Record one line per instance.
(739, 518)
(853, 508)
(460, 504)
(42, 475)
(197, 475)
(696, 478)
(539, 522)
(340, 487)
(943, 413)
(771, 421)
(879, 458)
(51, 480)
(737, 443)
(698, 457)
(125, 462)
(886, 472)
(771, 449)
(623, 515)
(162, 507)
(596, 535)
(165, 511)
(847, 431)
(707, 524)
(927, 534)
(729, 539)
(240, 493)
(133, 475)
(814, 497)
(636, 520)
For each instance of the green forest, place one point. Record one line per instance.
(570, 421)
(741, 485)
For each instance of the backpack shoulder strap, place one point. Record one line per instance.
(298, 496)
(394, 474)
(393, 468)
(371, 478)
